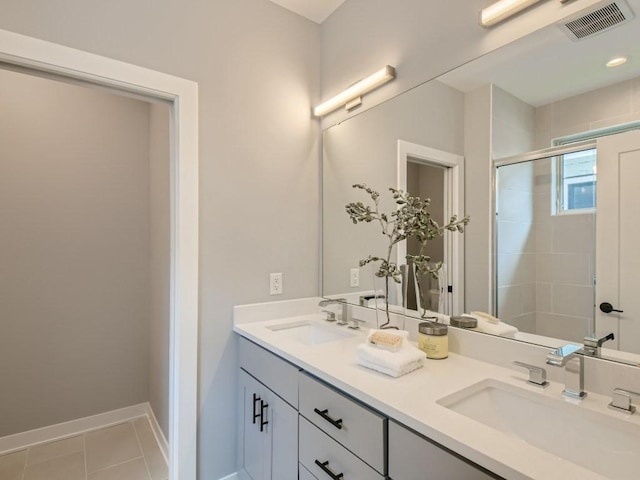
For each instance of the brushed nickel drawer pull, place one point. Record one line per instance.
(324, 414)
(325, 468)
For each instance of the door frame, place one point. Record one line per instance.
(454, 203)
(49, 58)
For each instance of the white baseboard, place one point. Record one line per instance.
(19, 441)
(157, 431)
(233, 476)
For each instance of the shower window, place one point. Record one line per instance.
(577, 182)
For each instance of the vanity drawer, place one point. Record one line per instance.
(318, 448)
(279, 375)
(413, 457)
(355, 426)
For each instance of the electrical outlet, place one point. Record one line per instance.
(355, 277)
(275, 284)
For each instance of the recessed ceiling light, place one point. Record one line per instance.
(617, 61)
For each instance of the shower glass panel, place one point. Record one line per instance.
(545, 245)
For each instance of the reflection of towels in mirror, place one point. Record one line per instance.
(487, 325)
(394, 364)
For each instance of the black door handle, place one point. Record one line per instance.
(606, 307)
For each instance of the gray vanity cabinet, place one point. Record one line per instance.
(296, 427)
(413, 457)
(268, 440)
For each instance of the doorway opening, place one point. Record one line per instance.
(18, 51)
(438, 175)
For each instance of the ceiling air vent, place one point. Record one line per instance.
(604, 17)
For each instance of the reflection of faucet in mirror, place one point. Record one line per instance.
(569, 357)
(592, 345)
(344, 319)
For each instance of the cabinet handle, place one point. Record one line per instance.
(256, 399)
(263, 422)
(325, 468)
(324, 414)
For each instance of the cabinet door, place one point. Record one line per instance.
(283, 425)
(269, 433)
(255, 445)
(413, 457)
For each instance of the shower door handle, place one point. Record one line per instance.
(606, 307)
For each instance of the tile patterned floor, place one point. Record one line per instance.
(127, 451)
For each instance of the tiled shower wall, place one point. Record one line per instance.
(562, 246)
(512, 133)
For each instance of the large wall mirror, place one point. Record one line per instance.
(546, 153)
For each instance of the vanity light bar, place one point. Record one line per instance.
(503, 9)
(365, 85)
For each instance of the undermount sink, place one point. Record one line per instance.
(595, 441)
(311, 332)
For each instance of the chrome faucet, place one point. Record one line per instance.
(592, 345)
(570, 357)
(345, 308)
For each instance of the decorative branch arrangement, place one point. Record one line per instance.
(410, 219)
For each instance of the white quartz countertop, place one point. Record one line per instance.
(412, 398)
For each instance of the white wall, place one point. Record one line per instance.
(257, 67)
(74, 251)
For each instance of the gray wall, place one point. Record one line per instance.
(365, 150)
(512, 123)
(74, 252)
(159, 264)
(422, 39)
(257, 67)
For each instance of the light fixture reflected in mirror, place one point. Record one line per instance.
(502, 10)
(358, 89)
(617, 61)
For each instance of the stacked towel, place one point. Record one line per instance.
(492, 325)
(395, 364)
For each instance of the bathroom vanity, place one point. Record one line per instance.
(288, 410)
(310, 411)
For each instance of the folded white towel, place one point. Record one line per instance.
(410, 367)
(502, 329)
(394, 364)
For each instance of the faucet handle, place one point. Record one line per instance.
(621, 400)
(537, 375)
(355, 323)
(331, 316)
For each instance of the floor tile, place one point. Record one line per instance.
(133, 470)
(69, 467)
(111, 446)
(60, 448)
(151, 450)
(12, 465)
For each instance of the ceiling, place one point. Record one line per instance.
(547, 66)
(316, 10)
